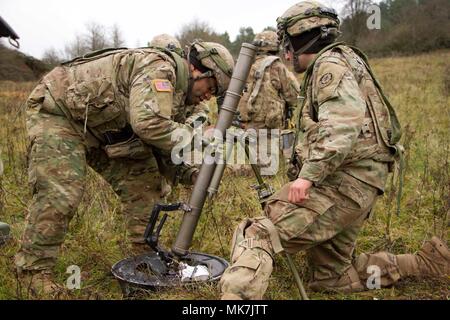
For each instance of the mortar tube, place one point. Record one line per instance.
(232, 97)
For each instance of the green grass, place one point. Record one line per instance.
(419, 88)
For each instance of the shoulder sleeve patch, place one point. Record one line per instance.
(328, 77)
(164, 97)
(325, 80)
(162, 85)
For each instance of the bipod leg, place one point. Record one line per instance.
(297, 278)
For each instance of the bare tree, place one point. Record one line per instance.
(116, 37)
(198, 30)
(52, 57)
(95, 37)
(75, 48)
(355, 17)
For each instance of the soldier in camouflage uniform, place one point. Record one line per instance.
(166, 41)
(271, 94)
(4, 228)
(347, 143)
(198, 113)
(115, 110)
(271, 88)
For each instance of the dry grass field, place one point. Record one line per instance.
(419, 87)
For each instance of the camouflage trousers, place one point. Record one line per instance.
(58, 163)
(326, 225)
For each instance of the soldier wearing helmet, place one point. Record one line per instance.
(117, 111)
(271, 93)
(346, 145)
(166, 41)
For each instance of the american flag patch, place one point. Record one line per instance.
(162, 85)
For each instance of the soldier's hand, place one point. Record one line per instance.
(298, 191)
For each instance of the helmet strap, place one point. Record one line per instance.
(324, 32)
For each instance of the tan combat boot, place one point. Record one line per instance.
(433, 259)
(346, 283)
(40, 282)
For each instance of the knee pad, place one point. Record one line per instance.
(255, 233)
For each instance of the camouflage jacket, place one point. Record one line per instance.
(344, 122)
(107, 90)
(279, 89)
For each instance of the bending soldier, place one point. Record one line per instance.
(115, 110)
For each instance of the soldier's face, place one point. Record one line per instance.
(303, 60)
(202, 89)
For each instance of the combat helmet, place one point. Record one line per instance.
(267, 41)
(303, 17)
(168, 42)
(217, 61)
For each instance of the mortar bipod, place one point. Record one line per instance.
(263, 189)
(151, 236)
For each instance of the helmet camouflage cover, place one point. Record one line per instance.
(165, 41)
(305, 16)
(218, 59)
(267, 41)
(168, 42)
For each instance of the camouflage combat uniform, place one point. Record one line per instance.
(345, 148)
(73, 113)
(269, 99)
(278, 88)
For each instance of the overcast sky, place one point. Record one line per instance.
(43, 24)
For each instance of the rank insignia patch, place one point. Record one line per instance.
(162, 85)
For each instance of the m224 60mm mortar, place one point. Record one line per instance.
(179, 266)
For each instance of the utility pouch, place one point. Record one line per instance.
(133, 148)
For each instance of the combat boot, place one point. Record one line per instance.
(346, 283)
(40, 282)
(433, 259)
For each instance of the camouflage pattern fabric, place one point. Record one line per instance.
(338, 131)
(68, 115)
(340, 150)
(266, 109)
(279, 87)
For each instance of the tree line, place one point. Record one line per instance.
(407, 27)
